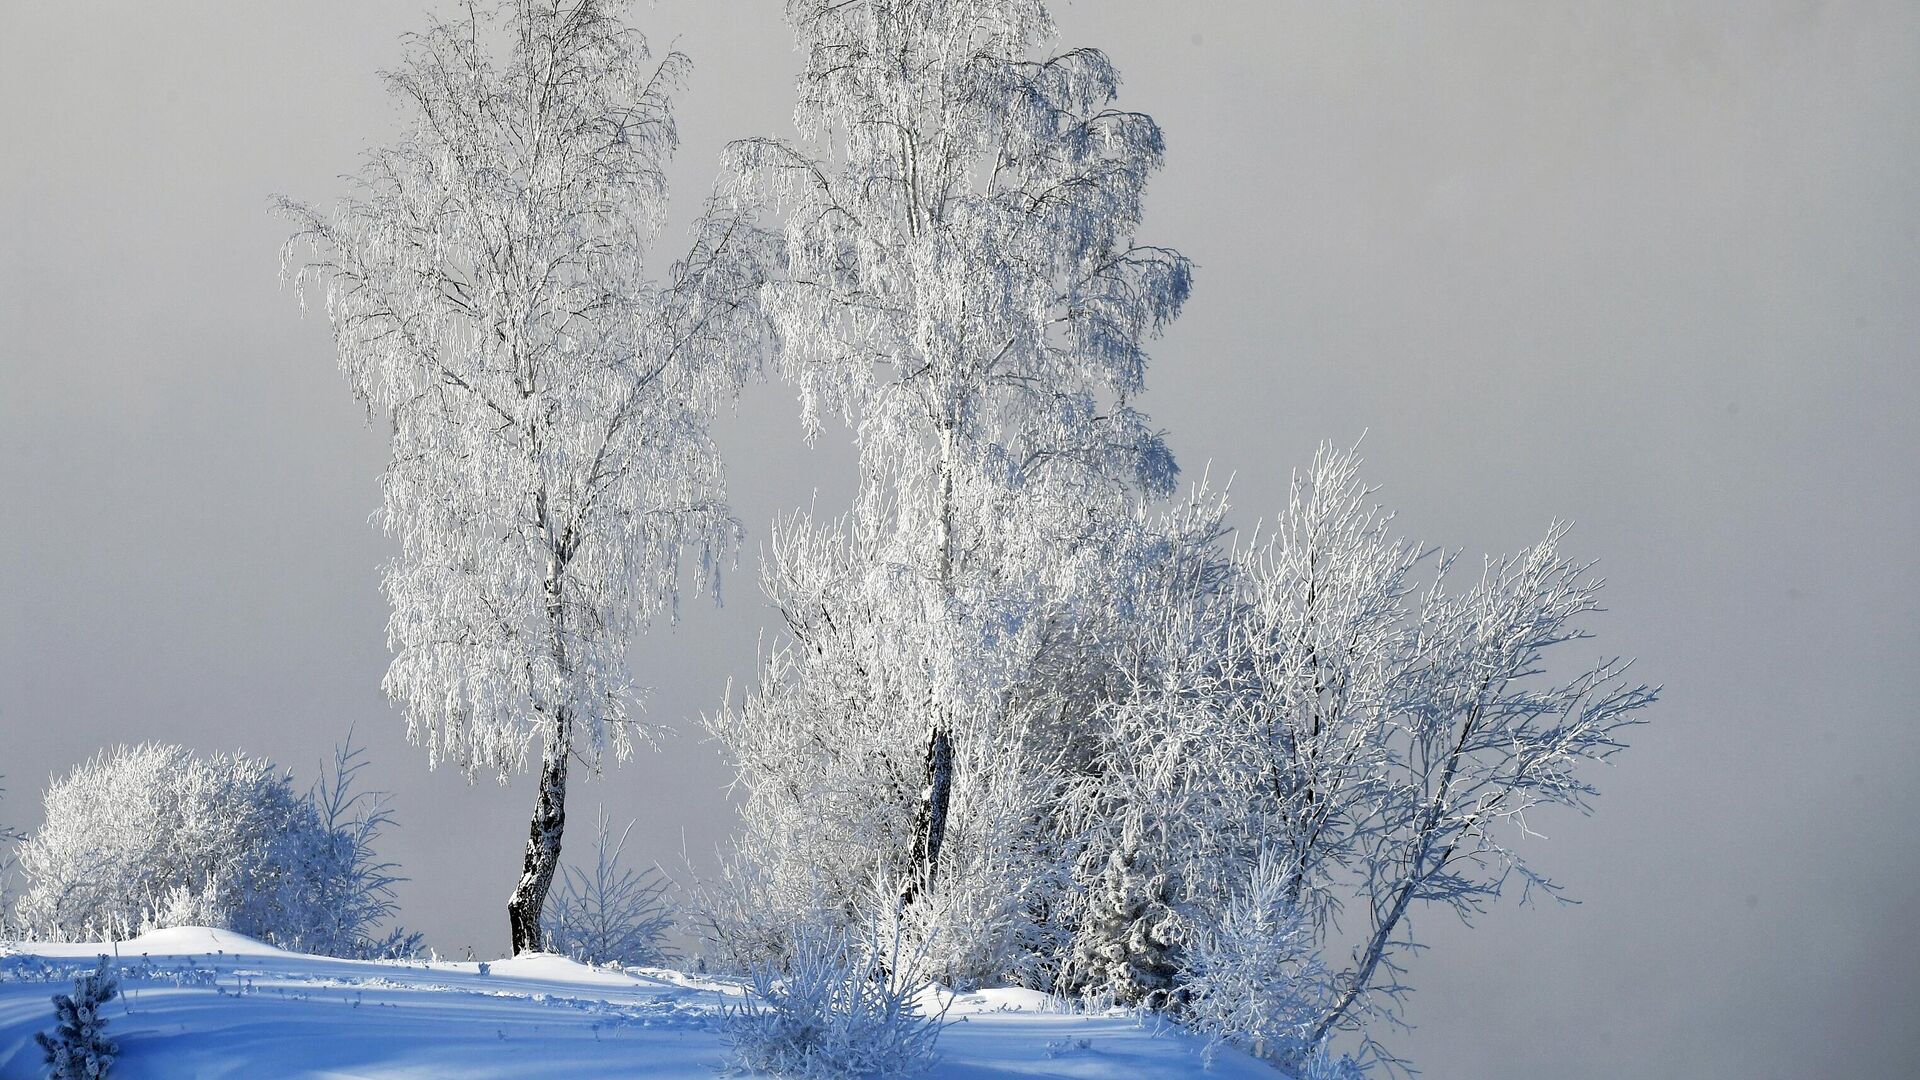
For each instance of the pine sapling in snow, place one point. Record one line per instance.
(77, 1050)
(1126, 952)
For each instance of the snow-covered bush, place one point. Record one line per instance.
(841, 1006)
(348, 889)
(137, 836)
(609, 914)
(1251, 976)
(77, 1049)
(149, 836)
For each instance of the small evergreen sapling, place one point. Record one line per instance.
(77, 1050)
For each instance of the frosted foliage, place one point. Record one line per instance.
(962, 286)
(1364, 739)
(548, 400)
(609, 913)
(1251, 977)
(961, 279)
(78, 1049)
(842, 1004)
(143, 837)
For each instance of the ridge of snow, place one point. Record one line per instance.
(199, 1002)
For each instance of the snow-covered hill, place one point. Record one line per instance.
(209, 1004)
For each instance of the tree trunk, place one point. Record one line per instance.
(543, 848)
(930, 823)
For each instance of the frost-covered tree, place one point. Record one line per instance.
(1370, 736)
(548, 397)
(962, 285)
(610, 913)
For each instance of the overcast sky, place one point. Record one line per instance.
(1653, 267)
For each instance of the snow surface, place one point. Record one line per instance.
(213, 1004)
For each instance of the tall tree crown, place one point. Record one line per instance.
(548, 400)
(959, 220)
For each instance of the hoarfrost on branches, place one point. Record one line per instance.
(609, 913)
(1366, 740)
(548, 398)
(149, 836)
(962, 285)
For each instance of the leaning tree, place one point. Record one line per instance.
(549, 400)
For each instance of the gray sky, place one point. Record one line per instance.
(1653, 267)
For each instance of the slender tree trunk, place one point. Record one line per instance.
(930, 822)
(543, 846)
(550, 806)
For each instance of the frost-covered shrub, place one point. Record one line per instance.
(77, 1049)
(1127, 948)
(144, 837)
(347, 890)
(138, 836)
(1250, 977)
(842, 1006)
(609, 914)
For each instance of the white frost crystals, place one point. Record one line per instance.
(149, 836)
(962, 286)
(548, 398)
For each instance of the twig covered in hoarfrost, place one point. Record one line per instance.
(610, 913)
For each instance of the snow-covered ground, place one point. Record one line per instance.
(210, 1004)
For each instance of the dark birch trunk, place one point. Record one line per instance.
(930, 819)
(930, 822)
(543, 849)
(550, 806)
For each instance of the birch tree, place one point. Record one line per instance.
(964, 288)
(548, 399)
